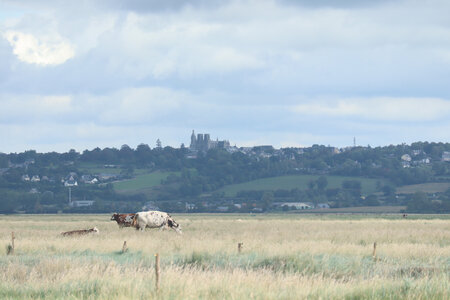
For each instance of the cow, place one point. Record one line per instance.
(155, 219)
(123, 220)
(80, 232)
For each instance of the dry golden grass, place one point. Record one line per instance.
(284, 257)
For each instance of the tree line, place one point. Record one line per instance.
(196, 178)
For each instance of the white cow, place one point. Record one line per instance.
(155, 219)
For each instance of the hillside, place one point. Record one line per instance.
(232, 179)
(142, 183)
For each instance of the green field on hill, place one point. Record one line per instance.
(141, 182)
(296, 181)
(430, 187)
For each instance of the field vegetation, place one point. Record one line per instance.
(141, 183)
(431, 187)
(283, 257)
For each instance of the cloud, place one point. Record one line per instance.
(147, 105)
(379, 109)
(31, 108)
(45, 51)
(250, 71)
(141, 115)
(337, 47)
(131, 106)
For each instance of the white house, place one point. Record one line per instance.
(81, 203)
(88, 179)
(190, 206)
(416, 152)
(406, 157)
(71, 182)
(93, 181)
(446, 156)
(296, 205)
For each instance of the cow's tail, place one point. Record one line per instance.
(134, 223)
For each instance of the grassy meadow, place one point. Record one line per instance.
(283, 257)
(141, 183)
(429, 187)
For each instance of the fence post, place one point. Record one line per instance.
(124, 247)
(374, 254)
(12, 242)
(157, 271)
(10, 248)
(240, 245)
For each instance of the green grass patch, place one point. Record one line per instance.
(296, 181)
(430, 187)
(141, 182)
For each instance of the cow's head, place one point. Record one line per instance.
(114, 217)
(95, 230)
(174, 225)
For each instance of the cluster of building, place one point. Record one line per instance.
(236, 207)
(202, 142)
(35, 178)
(72, 178)
(416, 158)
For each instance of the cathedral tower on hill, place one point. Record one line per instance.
(202, 142)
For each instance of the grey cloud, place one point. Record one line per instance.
(140, 6)
(232, 68)
(156, 5)
(6, 57)
(144, 6)
(335, 4)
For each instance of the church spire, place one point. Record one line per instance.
(193, 140)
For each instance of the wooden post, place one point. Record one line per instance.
(124, 247)
(374, 254)
(157, 271)
(240, 245)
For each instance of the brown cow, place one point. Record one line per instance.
(123, 220)
(80, 232)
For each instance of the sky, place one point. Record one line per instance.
(104, 73)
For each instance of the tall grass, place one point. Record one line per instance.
(291, 257)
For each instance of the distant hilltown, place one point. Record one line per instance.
(213, 176)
